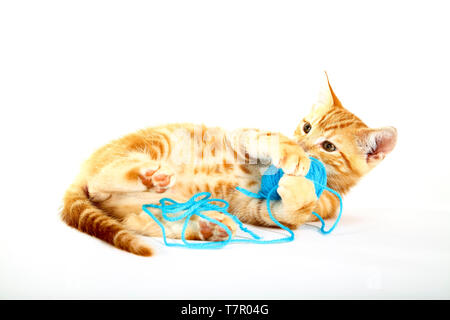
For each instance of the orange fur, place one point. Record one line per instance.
(179, 160)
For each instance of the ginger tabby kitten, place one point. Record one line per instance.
(180, 160)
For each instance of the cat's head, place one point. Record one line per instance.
(348, 148)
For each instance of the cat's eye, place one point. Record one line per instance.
(307, 127)
(328, 146)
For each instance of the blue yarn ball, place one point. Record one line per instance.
(272, 176)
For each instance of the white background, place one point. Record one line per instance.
(76, 74)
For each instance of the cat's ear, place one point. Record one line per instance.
(326, 97)
(377, 143)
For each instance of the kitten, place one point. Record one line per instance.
(180, 160)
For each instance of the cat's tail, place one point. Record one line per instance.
(80, 213)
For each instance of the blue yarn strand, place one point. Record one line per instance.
(194, 207)
(172, 210)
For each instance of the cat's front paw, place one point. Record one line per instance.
(292, 159)
(158, 178)
(298, 196)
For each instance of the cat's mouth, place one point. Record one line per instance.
(310, 154)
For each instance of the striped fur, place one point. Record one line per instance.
(179, 160)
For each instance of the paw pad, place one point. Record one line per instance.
(213, 232)
(160, 179)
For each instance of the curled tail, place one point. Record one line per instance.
(80, 213)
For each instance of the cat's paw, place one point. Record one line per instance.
(157, 178)
(296, 192)
(209, 231)
(292, 159)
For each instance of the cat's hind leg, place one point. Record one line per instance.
(135, 172)
(197, 229)
(158, 176)
(210, 231)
